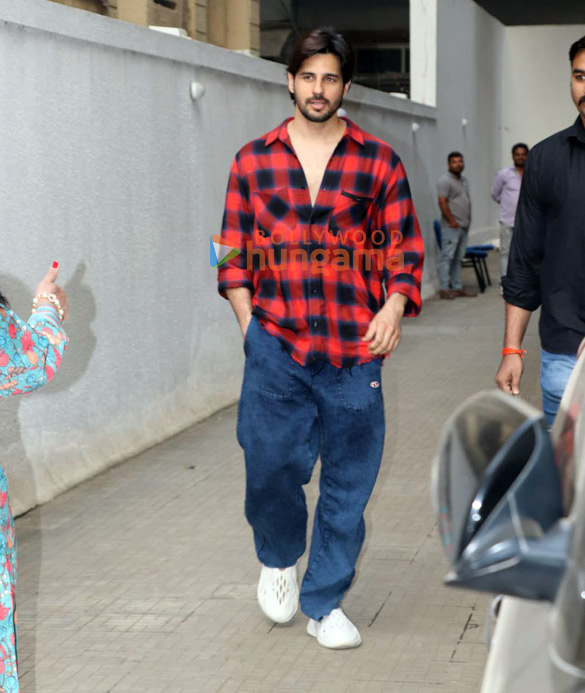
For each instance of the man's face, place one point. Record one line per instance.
(318, 87)
(456, 164)
(578, 82)
(519, 156)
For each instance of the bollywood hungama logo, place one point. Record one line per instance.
(220, 252)
(349, 252)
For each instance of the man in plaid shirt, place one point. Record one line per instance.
(327, 259)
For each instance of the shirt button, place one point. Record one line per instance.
(315, 324)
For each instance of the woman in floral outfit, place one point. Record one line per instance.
(30, 354)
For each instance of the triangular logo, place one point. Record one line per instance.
(220, 252)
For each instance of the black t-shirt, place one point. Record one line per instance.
(547, 256)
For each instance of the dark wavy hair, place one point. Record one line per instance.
(323, 40)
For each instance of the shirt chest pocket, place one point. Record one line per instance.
(274, 217)
(349, 221)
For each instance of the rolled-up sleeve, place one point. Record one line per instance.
(236, 232)
(403, 245)
(522, 282)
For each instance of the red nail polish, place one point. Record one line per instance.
(55, 265)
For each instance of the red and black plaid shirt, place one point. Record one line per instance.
(317, 273)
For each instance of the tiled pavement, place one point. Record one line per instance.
(143, 579)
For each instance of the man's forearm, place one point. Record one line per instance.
(517, 320)
(240, 300)
(444, 207)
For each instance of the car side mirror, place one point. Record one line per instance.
(499, 500)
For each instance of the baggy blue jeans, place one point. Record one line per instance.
(555, 371)
(287, 416)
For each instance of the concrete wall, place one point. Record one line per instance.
(469, 68)
(423, 51)
(509, 83)
(109, 167)
(535, 84)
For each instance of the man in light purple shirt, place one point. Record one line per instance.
(505, 192)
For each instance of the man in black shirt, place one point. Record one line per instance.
(547, 258)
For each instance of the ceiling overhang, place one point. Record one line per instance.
(520, 12)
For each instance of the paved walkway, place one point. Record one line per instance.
(143, 579)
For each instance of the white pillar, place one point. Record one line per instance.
(423, 51)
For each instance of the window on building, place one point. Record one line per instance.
(383, 66)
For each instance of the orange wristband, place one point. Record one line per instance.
(520, 352)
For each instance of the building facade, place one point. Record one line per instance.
(233, 24)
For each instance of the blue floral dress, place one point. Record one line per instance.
(30, 354)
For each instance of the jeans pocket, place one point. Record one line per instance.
(360, 387)
(248, 334)
(268, 369)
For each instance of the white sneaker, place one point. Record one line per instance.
(278, 593)
(335, 631)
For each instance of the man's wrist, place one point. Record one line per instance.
(514, 351)
(396, 303)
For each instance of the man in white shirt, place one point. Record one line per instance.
(505, 192)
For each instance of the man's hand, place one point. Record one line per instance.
(384, 331)
(509, 374)
(446, 212)
(510, 371)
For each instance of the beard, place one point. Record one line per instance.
(328, 112)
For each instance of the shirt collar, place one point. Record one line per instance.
(577, 130)
(280, 132)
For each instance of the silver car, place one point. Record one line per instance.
(510, 500)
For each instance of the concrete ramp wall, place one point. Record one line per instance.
(111, 168)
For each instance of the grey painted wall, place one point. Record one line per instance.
(536, 83)
(469, 69)
(109, 167)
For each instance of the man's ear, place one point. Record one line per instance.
(346, 87)
(291, 81)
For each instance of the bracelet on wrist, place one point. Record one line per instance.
(52, 299)
(508, 351)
